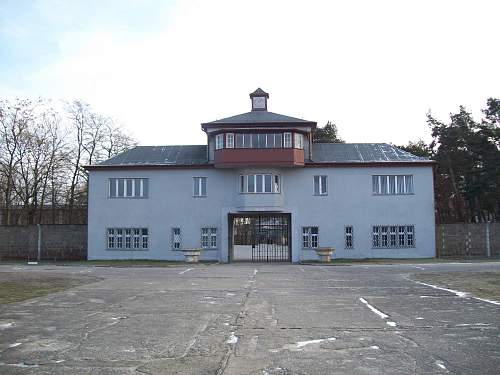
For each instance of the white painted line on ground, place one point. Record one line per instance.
(488, 300)
(378, 312)
(456, 292)
(189, 269)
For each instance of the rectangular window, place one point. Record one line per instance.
(392, 184)
(145, 238)
(287, 140)
(409, 184)
(270, 140)
(128, 187)
(385, 240)
(119, 238)
(268, 186)
(255, 140)
(127, 238)
(310, 237)
(176, 238)
(219, 141)
(278, 140)
(376, 237)
(111, 238)
(393, 236)
(230, 140)
(259, 183)
(239, 140)
(200, 186)
(137, 238)
(209, 238)
(247, 138)
(250, 183)
(401, 236)
(298, 140)
(276, 183)
(320, 185)
(349, 243)
(409, 235)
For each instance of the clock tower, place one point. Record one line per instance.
(259, 100)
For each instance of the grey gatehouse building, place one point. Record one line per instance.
(261, 190)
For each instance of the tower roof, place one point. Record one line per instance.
(259, 92)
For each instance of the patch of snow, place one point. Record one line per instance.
(456, 292)
(488, 301)
(22, 364)
(233, 339)
(419, 318)
(6, 325)
(301, 344)
(440, 365)
(14, 345)
(182, 272)
(373, 309)
(374, 347)
(392, 324)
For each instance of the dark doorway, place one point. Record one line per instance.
(260, 237)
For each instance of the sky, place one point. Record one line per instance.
(161, 68)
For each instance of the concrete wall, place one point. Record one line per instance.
(468, 240)
(349, 202)
(59, 242)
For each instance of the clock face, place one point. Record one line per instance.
(259, 102)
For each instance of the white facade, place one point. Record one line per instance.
(349, 201)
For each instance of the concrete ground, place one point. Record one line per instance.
(251, 319)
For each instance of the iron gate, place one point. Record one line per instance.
(267, 236)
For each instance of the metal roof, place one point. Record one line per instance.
(259, 117)
(322, 153)
(160, 155)
(361, 153)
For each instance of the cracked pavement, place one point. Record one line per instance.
(251, 319)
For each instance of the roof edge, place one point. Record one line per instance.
(145, 166)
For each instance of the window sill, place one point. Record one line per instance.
(127, 249)
(391, 195)
(199, 196)
(393, 247)
(128, 197)
(320, 195)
